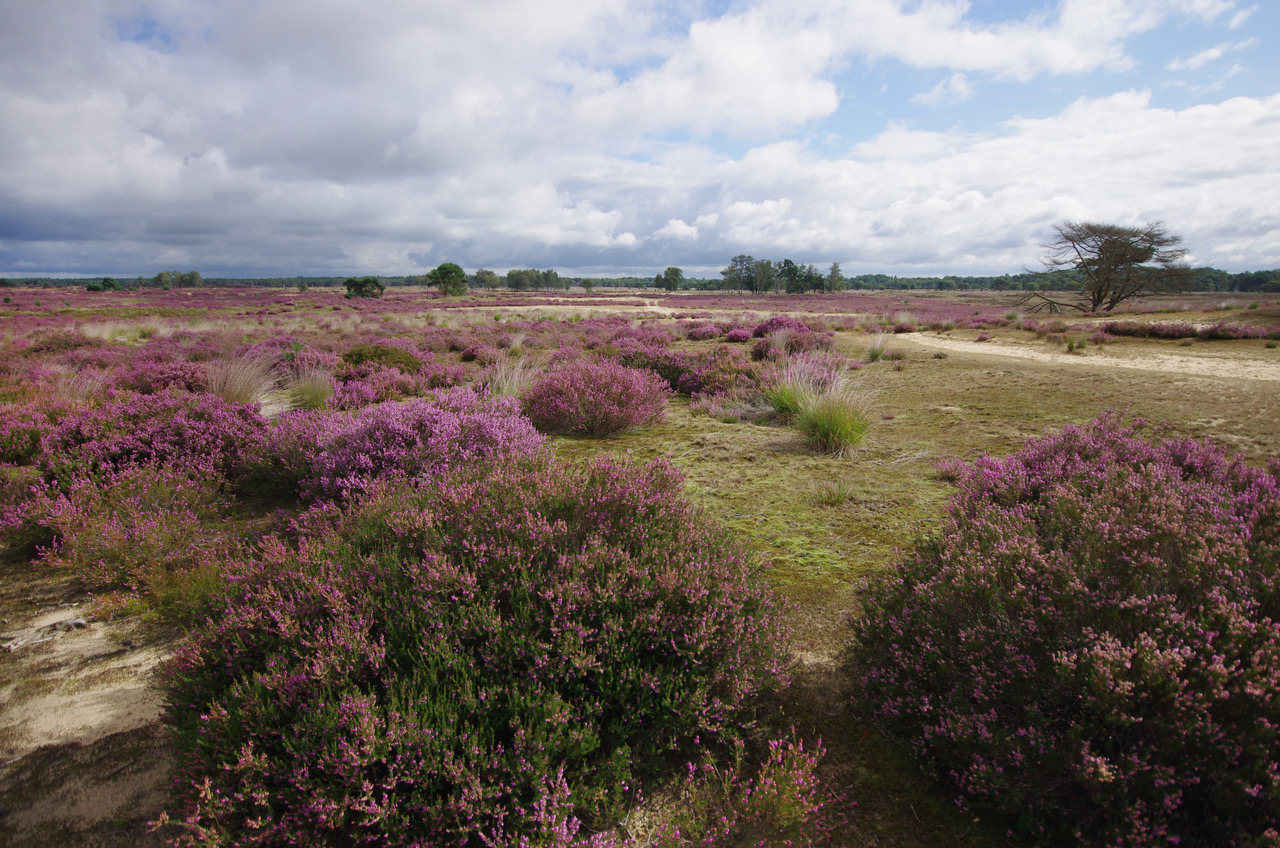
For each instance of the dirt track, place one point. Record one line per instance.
(1231, 364)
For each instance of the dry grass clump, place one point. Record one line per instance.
(309, 388)
(252, 380)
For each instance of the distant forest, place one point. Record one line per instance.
(1204, 280)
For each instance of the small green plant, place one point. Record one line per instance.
(1271, 345)
(940, 354)
(833, 491)
(876, 349)
(835, 420)
(1075, 344)
(1253, 305)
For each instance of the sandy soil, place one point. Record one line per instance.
(82, 756)
(1230, 364)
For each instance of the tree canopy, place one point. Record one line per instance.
(1112, 263)
(364, 287)
(449, 278)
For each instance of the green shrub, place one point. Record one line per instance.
(471, 661)
(385, 355)
(1092, 642)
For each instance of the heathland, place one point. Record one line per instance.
(632, 568)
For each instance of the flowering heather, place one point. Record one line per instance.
(720, 370)
(371, 382)
(23, 426)
(1217, 332)
(143, 530)
(149, 376)
(785, 799)
(667, 363)
(779, 322)
(473, 660)
(738, 335)
(173, 428)
(703, 332)
(586, 398)
(1092, 642)
(416, 438)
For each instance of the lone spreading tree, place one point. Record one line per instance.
(1112, 264)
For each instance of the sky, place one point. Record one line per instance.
(610, 137)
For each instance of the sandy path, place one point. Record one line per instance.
(1232, 365)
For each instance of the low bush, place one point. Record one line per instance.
(416, 438)
(371, 382)
(148, 532)
(726, 805)
(188, 432)
(779, 322)
(703, 332)
(149, 376)
(489, 659)
(385, 355)
(585, 398)
(1092, 642)
(721, 370)
(738, 335)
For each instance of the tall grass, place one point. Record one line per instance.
(801, 377)
(834, 420)
(310, 388)
(511, 376)
(876, 349)
(249, 380)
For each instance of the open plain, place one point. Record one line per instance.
(84, 759)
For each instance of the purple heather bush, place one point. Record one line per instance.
(720, 370)
(1092, 642)
(738, 335)
(200, 433)
(588, 398)
(493, 657)
(145, 531)
(667, 363)
(703, 332)
(784, 799)
(148, 375)
(370, 382)
(416, 438)
(779, 322)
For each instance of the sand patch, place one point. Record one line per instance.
(1231, 365)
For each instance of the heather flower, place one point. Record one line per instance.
(478, 658)
(1092, 641)
(585, 398)
(417, 438)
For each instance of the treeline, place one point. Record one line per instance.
(744, 273)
